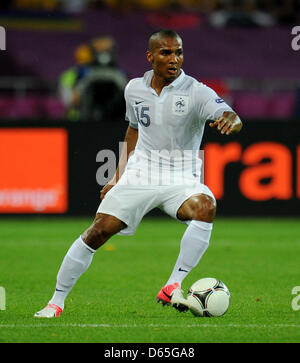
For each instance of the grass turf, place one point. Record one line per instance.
(114, 301)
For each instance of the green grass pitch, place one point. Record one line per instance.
(114, 301)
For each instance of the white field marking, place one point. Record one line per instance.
(126, 326)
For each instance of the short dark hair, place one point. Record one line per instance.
(165, 33)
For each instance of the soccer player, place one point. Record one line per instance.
(167, 111)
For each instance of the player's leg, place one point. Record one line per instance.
(78, 259)
(120, 211)
(103, 227)
(200, 209)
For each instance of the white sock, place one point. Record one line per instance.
(75, 263)
(193, 245)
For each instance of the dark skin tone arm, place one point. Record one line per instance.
(228, 123)
(131, 137)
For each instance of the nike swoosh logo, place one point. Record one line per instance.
(138, 102)
(59, 290)
(180, 269)
(168, 296)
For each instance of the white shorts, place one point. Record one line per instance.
(130, 203)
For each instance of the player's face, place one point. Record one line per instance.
(166, 58)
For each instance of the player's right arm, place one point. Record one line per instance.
(129, 143)
(131, 136)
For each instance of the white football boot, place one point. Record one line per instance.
(50, 311)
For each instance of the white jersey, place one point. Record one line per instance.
(170, 125)
(164, 170)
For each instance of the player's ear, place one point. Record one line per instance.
(149, 56)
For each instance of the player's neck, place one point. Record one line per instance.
(158, 83)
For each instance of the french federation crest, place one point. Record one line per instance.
(180, 105)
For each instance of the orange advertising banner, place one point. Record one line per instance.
(33, 170)
(277, 171)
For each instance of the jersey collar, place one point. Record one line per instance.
(149, 74)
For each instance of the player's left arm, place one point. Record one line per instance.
(228, 123)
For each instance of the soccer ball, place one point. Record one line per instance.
(208, 297)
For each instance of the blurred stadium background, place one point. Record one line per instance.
(62, 75)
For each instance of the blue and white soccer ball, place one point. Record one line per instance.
(208, 297)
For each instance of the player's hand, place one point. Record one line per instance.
(228, 123)
(106, 189)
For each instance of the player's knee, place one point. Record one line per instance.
(96, 235)
(99, 233)
(103, 227)
(205, 209)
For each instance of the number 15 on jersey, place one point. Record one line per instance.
(143, 115)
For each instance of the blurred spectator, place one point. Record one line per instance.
(73, 6)
(284, 11)
(221, 12)
(255, 12)
(242, 13)
(100, 93)
(69, 80)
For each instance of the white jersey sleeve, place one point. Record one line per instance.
(210, 105)
(130, 115)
